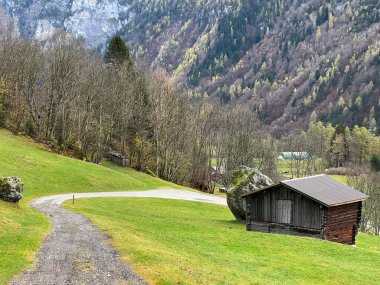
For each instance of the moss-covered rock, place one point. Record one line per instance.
(244, 180)
(11, 189)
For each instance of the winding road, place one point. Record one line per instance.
(77, 252)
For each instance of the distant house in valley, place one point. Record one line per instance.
(118, 158)
(315, 206)
(297, 155)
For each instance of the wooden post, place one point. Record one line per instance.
(73, 199)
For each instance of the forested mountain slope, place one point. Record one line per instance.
(285, 59)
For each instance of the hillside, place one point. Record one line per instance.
(179, 242)
(286, 59)
(44, 173)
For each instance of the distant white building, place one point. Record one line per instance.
(296, 155)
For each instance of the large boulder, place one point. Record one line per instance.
(245, 181)
(11, 189)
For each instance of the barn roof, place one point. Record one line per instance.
(322, 189)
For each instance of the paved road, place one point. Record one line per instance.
(166, 194)
(76, 252)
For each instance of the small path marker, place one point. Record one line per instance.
(73, 199)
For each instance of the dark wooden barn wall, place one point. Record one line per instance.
(119, 159)
(306, 213)
(342, 223)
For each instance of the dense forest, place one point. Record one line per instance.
(285, 59)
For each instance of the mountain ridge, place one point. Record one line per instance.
(288, 60)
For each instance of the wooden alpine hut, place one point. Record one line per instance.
(315, 206)
(118, 158)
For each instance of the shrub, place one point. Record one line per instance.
(375, 162)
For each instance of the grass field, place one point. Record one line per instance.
(23, 229)
(179, 242)
(46, 173)
(21, 233)
(284, 165)
(340, 178)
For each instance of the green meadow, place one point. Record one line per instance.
(22, 229)
(180, 242)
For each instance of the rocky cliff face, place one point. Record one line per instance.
(95, 21)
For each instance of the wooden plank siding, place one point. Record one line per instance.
(342, 223)
(283, 211)
(305, 213)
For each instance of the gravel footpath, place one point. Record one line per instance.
(76, 252)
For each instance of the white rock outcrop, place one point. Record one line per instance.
(93, 20)
(11, 189)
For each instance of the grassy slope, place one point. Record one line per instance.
(21, 233)
(46, 173)
(21, 228)
(178, 242)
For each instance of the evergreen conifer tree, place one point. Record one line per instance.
(117, 52)
(375, 163)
